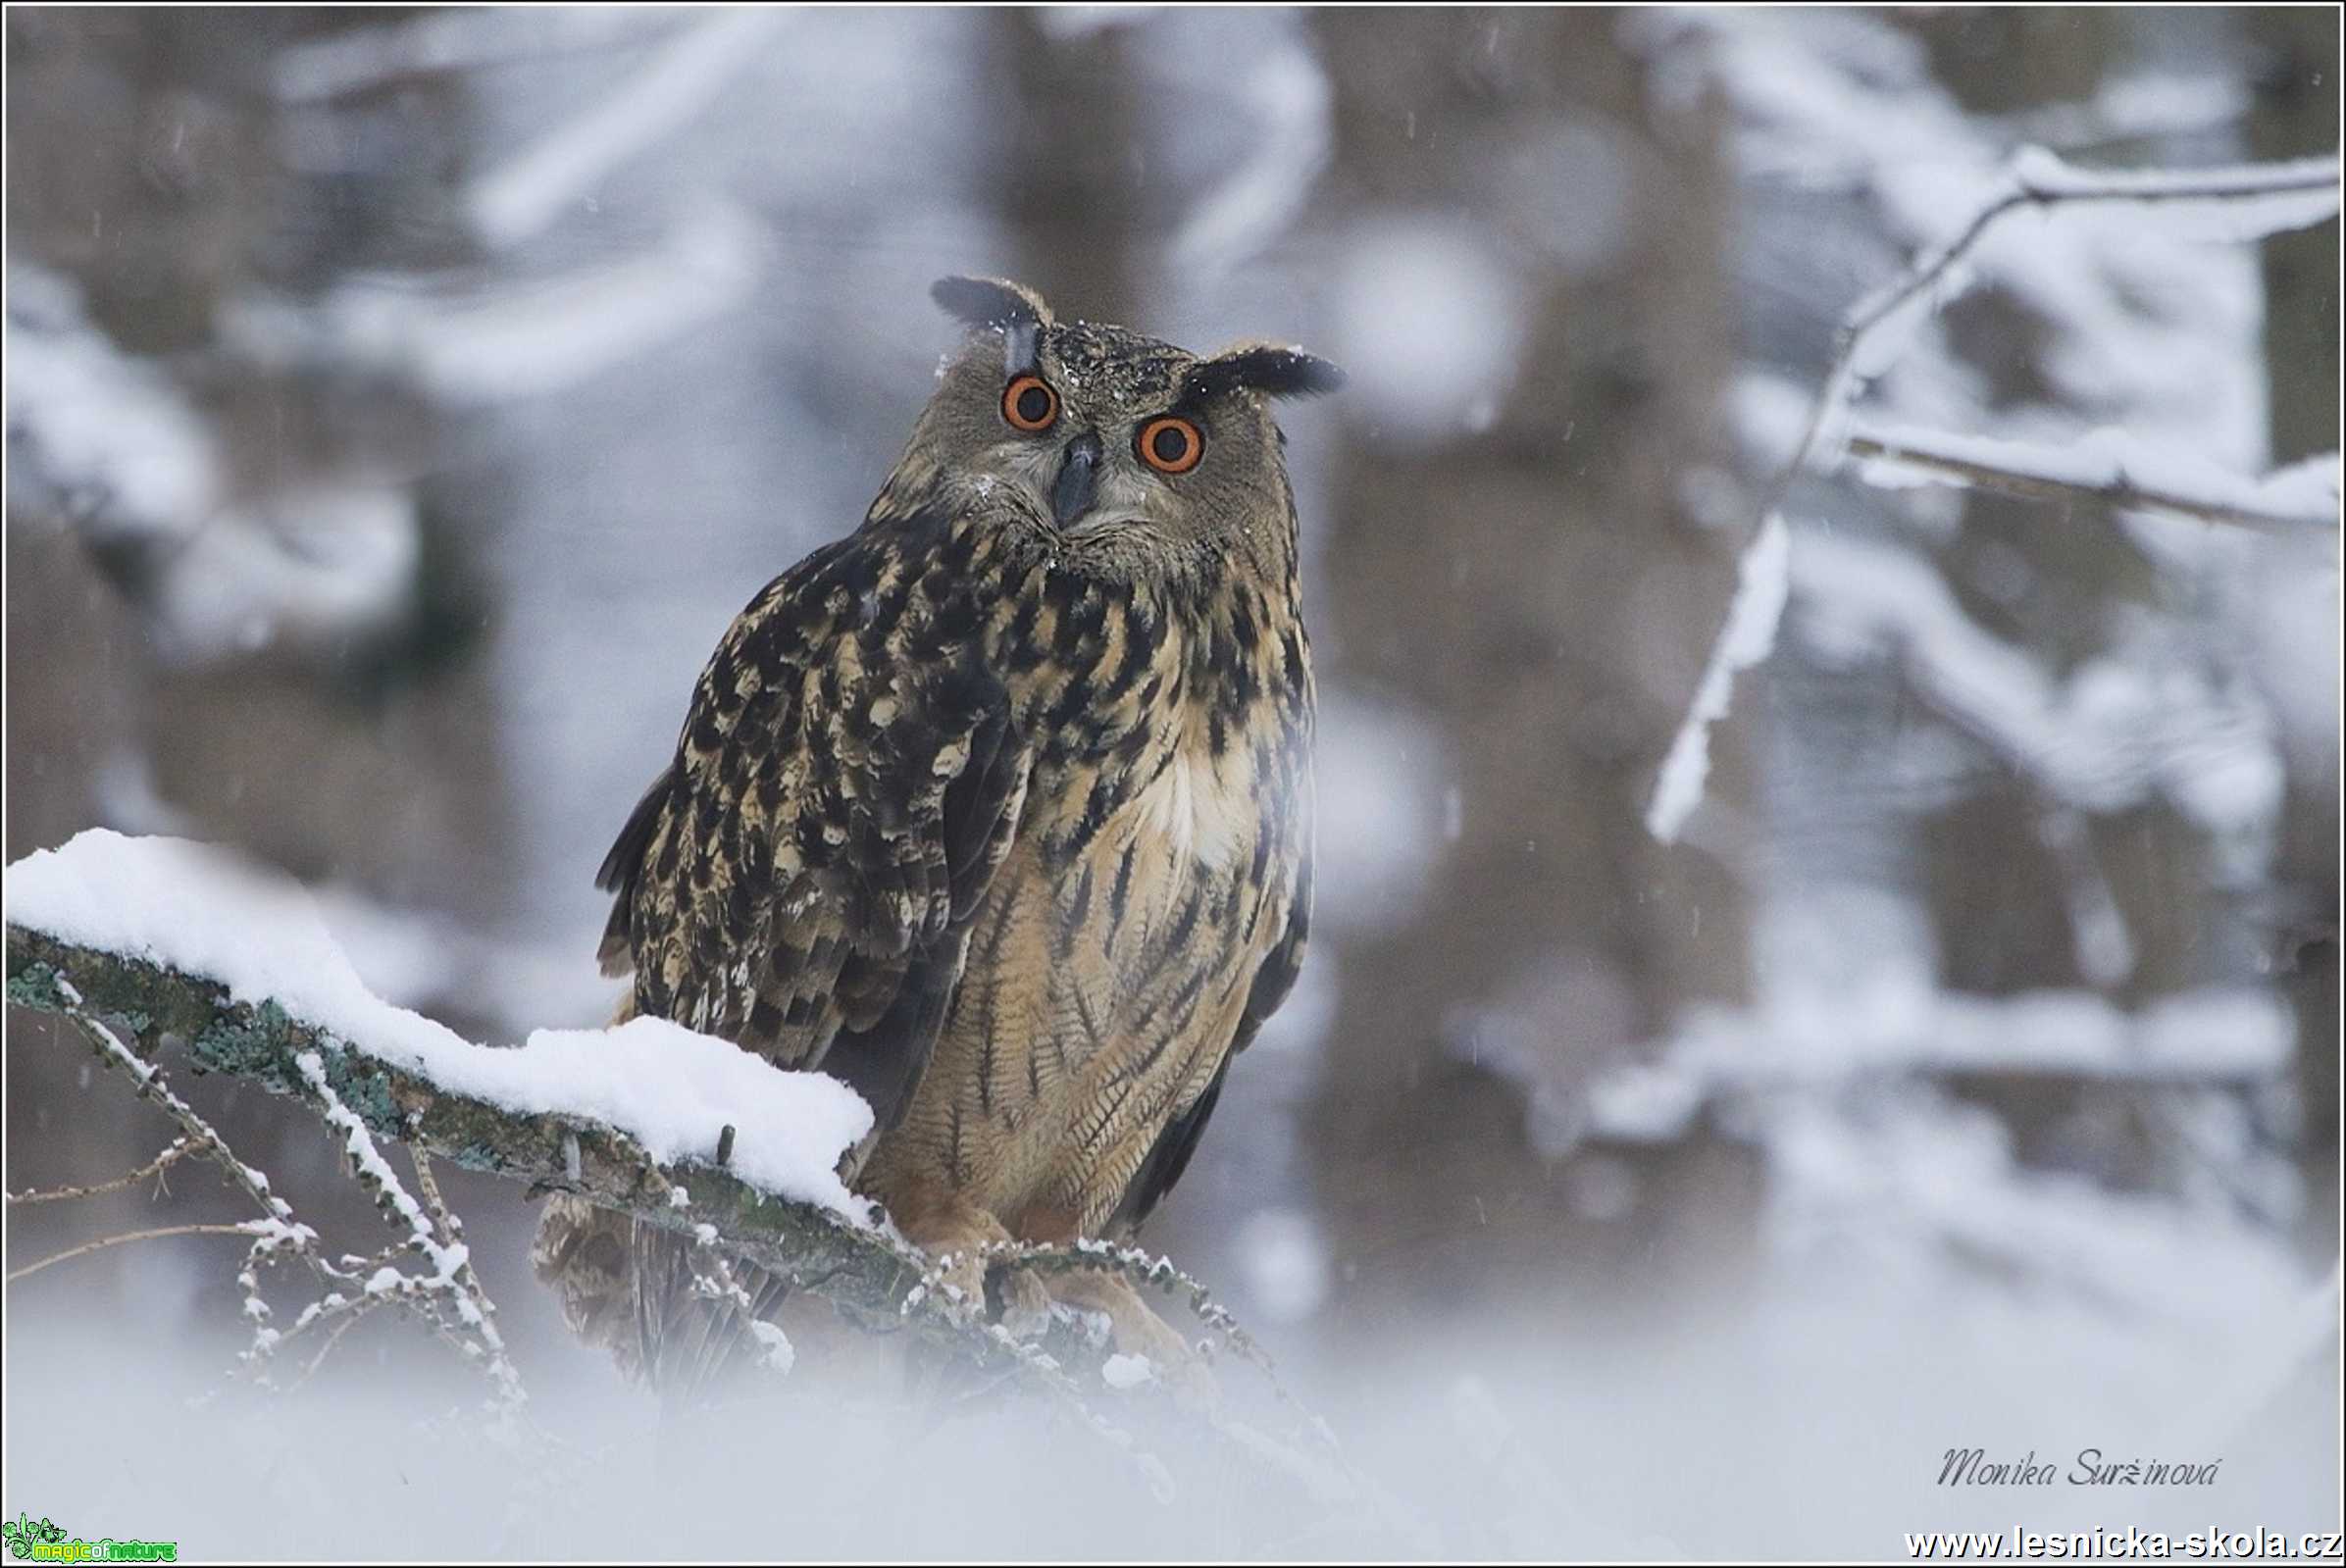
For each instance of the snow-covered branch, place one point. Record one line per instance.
(140, 940)
(365, 59)
(2109, 468)
(521, 197)
(2276, 197)
(1761, 581)
(2262, 199)
(834, 1251)
(265, 1041)
(2103, 740)
(2215, 1036)
(478, 344)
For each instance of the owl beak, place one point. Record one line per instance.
(1079, 478)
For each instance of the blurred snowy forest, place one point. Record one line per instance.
(401, 402)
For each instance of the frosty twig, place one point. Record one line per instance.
(179, 1150)
(2034, 178)
(2038, 178)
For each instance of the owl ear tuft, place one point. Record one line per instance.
(995, 302)
(1273, 370)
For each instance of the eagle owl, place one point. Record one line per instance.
(998, 809)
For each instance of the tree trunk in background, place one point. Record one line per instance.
(366, 757)
(1999, 886)
(1068, 165)
(1998, 932)
(2005, 870)
(1534, 593)
(2297, 116)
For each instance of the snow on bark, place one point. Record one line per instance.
(205, 913)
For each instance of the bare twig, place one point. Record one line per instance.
(452, 1279)
(279, 1232)
(239, 1228)
(296, 1237)
(444, 1221)
(178, 1150)
(343, 1323)
(450, 1226)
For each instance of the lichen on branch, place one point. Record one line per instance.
(864, 1271)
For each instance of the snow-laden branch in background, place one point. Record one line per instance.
(2107, 465)
(2040, 174)
(1763, 579)
(107, 442)
(2213, 1036)
(2154, 105)
(1922, 1170)
(457, 39)
(97, 435)
(1855, 1095)
(522, 196)
(1288, 92)
(2270, 198)
(2107, 738)
(507, 341)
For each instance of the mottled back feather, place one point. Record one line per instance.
(847, 782)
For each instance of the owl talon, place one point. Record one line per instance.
(960, 1284)
(1026, 1305)
(1136, 1330)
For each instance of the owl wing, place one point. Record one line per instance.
(1169, 1156)
(802, 877)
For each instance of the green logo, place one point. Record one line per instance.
(24, 1533)
(45, 1541)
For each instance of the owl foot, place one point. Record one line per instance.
(958, 1280)
(1138, 1334)
(957, 1237)
(1025, 1303)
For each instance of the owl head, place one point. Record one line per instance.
(1124, 448)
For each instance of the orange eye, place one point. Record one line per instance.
(1171, 445)
(1029, 403)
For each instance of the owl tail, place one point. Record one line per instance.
(643, 1294)
(640, 1293)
